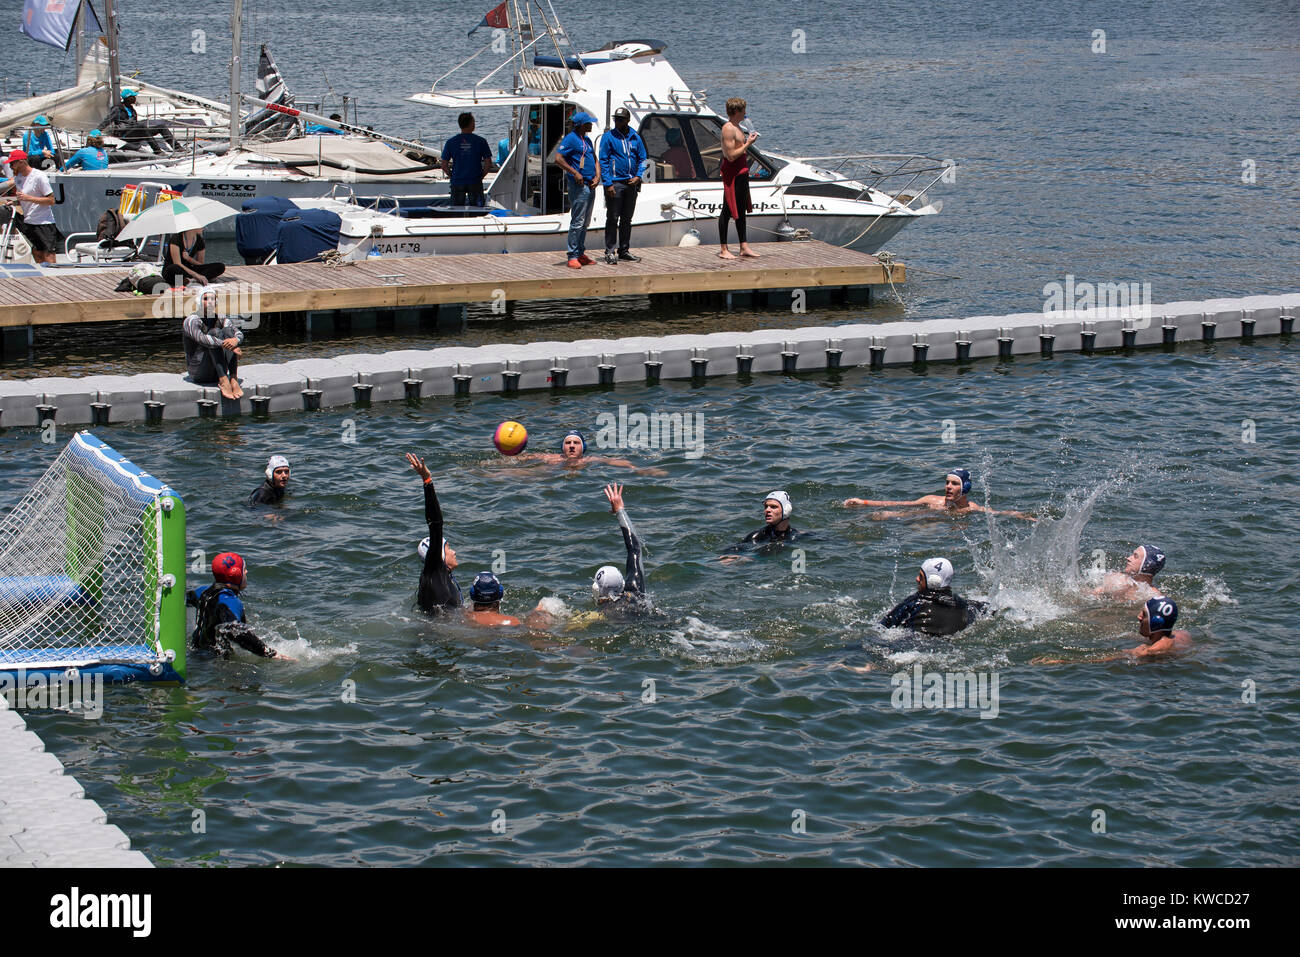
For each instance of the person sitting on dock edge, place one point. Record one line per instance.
(957, 485)
(466, 159)
(623, 160)
(212, 348)
(576, 156)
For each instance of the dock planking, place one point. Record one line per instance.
(445, 280)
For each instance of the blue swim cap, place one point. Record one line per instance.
(1153, 559)
(486, 589)
(580, 439)
(1161, 613)
(962, 474)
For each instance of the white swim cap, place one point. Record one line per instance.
(608, 583)
(423, 549)
(784, 499)
(275, 462)
(937, 572)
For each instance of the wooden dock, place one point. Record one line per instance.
(448, 280)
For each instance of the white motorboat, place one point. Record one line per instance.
(860, 200)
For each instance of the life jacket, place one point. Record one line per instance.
(205, 628)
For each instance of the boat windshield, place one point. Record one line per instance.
(688, 148)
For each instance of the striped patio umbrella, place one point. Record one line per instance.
(175, 216)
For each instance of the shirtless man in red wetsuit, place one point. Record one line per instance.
(735, 178)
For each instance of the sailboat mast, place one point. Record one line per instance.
(78, 25)
(114, 83)
(236, 21)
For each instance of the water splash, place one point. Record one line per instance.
(706, 643)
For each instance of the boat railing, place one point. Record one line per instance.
(871, 170)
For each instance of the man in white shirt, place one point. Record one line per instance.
(32, 190)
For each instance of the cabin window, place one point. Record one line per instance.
(688, 148)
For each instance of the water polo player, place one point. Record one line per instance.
(438, 589)
(956, 488)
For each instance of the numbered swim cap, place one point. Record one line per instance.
(963, 475)
(275, 462)
(228, 568)
(1153, 559)
(784, 499)
(580, 439)
(486, 589)
(423, 548)
(1161, 613)
(608, 583)
(937, 572)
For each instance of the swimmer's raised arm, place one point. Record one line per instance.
(870, 503)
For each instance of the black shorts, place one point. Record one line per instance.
(44, 238)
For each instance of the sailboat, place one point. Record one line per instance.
(268, 155)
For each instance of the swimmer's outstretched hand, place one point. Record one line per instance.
(854, 502)
(614, 493)
(281, 656)
(417, 464)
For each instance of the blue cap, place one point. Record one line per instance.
(582, 117)
(580, 439)
(962, 474)
(95, 133)
(127, 92)
(1153, 559)
(486, 589)
(42, 120)
(1161, 613)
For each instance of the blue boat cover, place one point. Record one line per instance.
(306, 234)
(256, 226)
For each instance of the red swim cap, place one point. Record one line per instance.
(228, 568)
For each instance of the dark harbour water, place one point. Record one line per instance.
(750, 721)
(1117, 167)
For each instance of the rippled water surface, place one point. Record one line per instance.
(722, 730)
(751, 723)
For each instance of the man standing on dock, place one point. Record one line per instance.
(576, 156)
(32, 190)
(467, 158)
(735, 178)
(622, 160)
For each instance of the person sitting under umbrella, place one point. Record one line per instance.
(185, 260)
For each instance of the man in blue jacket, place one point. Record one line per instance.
(622, 161)
(576, 157)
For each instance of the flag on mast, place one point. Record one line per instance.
(497, 18)
(51, 21)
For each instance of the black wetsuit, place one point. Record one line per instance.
(221, 621)
(935, 611)
(766, 539)
(437, 588)
(266, 494)
(634, 598)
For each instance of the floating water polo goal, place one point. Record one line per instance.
(92, 571)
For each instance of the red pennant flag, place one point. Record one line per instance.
(497, 18)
